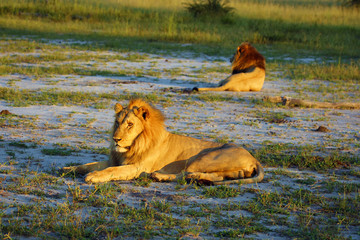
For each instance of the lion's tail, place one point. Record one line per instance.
(256, 179)
(221, 88)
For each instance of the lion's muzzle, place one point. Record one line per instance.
(116, 140)
(119, 148)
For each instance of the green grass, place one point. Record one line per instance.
(73, 64)
(303, 157)
(211, 97)
(320, 203)
(221, 192)
(143, 182)
(240, 227)
(348, 72)
(64, 69)
(173, 216)
(52, 97)
(17, 121)
(274, 116)
(321, 27)
(57, 151)
(345, 188)
(301, 201)
(48, 54)
(22, 145)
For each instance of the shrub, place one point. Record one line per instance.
(352, 3)
(209, 7)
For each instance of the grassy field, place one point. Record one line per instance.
(282, 26)
(64, 63)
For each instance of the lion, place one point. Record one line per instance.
(142, 146)
(248, 71)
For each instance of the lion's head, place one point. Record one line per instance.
(127, 127)
(137, 127)
(245, 58)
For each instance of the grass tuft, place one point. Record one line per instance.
(221, 192)
(326, 71)
(208, 7)
(303, 157)
(57, 151)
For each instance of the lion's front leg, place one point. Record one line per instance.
(126, 172)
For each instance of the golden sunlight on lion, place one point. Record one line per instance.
(248, 71)
(142, 145)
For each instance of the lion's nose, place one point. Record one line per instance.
(116, 139)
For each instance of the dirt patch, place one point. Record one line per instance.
(317, 198)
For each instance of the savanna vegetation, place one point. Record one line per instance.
(65, 62)
(280, 25)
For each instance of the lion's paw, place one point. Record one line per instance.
(95, 177)
(160, 177)
(156, 176)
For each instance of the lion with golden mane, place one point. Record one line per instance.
(248, 71)
(141, 145)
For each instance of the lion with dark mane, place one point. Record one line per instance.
(141, 145)
(248, 71)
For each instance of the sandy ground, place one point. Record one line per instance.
(240, 121)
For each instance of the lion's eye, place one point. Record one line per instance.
(130, 125)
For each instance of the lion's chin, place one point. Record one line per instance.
(122, 149)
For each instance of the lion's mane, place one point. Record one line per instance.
(153, 133)
(247, 57)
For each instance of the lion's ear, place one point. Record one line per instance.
(142, 112)
(118, 108)
(241, 48)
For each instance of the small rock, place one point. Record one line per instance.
(322, 129)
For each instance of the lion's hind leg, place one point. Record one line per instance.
(200, 177)
(227, 162)
(163, 177)
(208, 177)
(216, 176)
